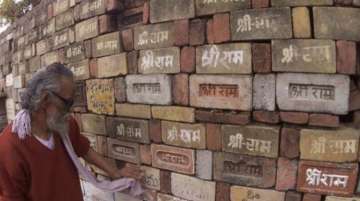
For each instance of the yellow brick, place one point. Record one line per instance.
(133, 110)
(301, 22)
(173, 113)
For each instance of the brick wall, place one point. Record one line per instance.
(241, 100)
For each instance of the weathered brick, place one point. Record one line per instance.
(279, 27)
(266, 117)
(216, 59)
(80, 94)
(80, 69)
(124, 151)
(311, 197)
(133, 110)
(64, 20)
(132, 60)
(174, 159)
(210, 31)
(294, 117)
(155, 130)
(120, 89)
(151, 177)
(150, 89)
(60, 6)
(106, 45)
(209, 7)
(221, 23)
(128, 39)
(242, 139)
(164, 197)
(181, 89)
(313, 92)
(49, 58)
(204, 164)
(145, 155)
(235, 169)
(329, 23)
(154, 36)
(334, 198)
(75, 52)
(197, 32)
(264, 92)
(324, 120)
(222, 117)
(261, 57)
(336, 179)
(89, 8)
(192, 188)
(301, 22)
(146, 12)
(92, 123)
(187, 60)
(223, 92)
(87, 29)
(244, 193)
(260, 3)
(100, 96)
(173, 113)
(301, 2)
(166, 10)
(163, 60)
(343, 2)
(125, 129)
(213, 137)
(111, 66)
(286, 174)
(292, 196)
(314, 56)
(107, 23)
(346, 57)
(329, 145)
(165, 181)
(182, 29)
(222, 191)
(183, 135)
(289, 145)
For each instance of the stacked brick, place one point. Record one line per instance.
(236, 100)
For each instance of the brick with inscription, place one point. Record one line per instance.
(163, 60)
(150, 89)
(151, 177)
(300, 2)
(327, 178)
(166, 10)
(269, 23)
(329, 23)
(233, 58)
(125, 151)
(244, 170)
(183, 135)
(173, 113)
(312, 56)
(205, 7)
(126, 129)
(43, 46)
(264, 92)
(154, 36)
(223, 92)
(49, 58)
(89, 8)
(313, 92)
(111, 66)
(253, 194)
(133, 110)
(64, 20)
(106, 45)
(192, 188)
(335, 198)
(93, 123)
(251, 140)
(329, 145)
(80, 69)
(60, 6)
(75, 52)
(175, 159)
(87, 29)
(100, 96)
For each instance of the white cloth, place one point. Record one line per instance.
(50, 143)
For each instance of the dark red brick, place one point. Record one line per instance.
(222, 192)
(187, 60)
(127, 39)
(294, 117)
(289, 144)
(221, 27)
(260, 3)
(325, 120)
(213, 137)
(261, 57)
(182, 32)
(181, 89)
(266, 117)
(155, 130)
(346, 57)
(197, 32)
(286, 174)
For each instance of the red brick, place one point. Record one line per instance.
(127, 39)
(261, 57)
(289, 144)
(325, 120)
(266, 117)
(107, 23)
(146, 12)
(223, 117)
(346, 57)
(145, 154)
(181, 89)
(113, 5)
(197, 32)
(187, 63)
(222, 192)
(93, 67)
(50, 11)
(260, 3)
(120, 89)
(311, 197)
(294, 117)
(213, 137)
(155, 130)
(286, 174)
(165, 181)
(182, 32)
(292, 196)
(210, 31)
(132, 58)
(221, 27)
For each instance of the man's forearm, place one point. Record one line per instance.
(95, 158)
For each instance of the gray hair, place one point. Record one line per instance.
(44, 79)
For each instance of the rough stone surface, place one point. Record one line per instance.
(264, 92)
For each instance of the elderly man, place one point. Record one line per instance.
(39, 150)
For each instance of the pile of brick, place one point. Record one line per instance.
(217, 100)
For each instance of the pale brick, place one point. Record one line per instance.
(166, 10)
(93, 123)
(264, 92)
(106, 45)
(154, 36)
(209, 7)
(133, 110)
(126, 129)
(204, 164)
(173, 113)
(111, 66)
(242, 193)
(87, 29)
(100, 96)
(80, 69)
(301, 22)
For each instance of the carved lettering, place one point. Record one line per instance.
(224, 90)
(312, 92)
(173, 158)
(242, 168)
(153, 88)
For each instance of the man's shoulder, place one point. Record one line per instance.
(8, 140)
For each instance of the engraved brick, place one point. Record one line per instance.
(100, 96)
(228, 58)
(264, 92)
(277, 24)
(187, 60)
(294, 117)
(75, 52)
(151, 177)
(251, 140)
(92, 123)
(261, 57)
(301, 22)
(154, 36)
(286, 174)
(125, 151)
(204, 164)
(175, 159)
(336, 179)
(324, 120)
(289, 145)
(111, 66)
(222, 117)
(192, 188)
(244, 193)
(326, 93)
(89, 8)
(106, 45)
(313, 56)
(60, 6)
(125, 129)
(301, 2)
(223, 92)
(183, 135)
(209, 7)
(244, 170)
(163, 60)
(87, 29)
(327, 145)
(166, 10)
(80, 69)
(181, 89)
(64, 20)
(346, 57)
(335, 198)
(173, 113)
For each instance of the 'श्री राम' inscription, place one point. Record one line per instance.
(247, 23)
(184, 135)
(242, 168)
(324, 146)
(214, 57)
(224, 90)
(311, 92)
(238, 141)
(152, 88)
(173, 158)
(317, 54)
(146, 38)
(316, 177)
(163, 60)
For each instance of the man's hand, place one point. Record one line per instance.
(133, 171)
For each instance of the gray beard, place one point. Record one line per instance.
(58, 124)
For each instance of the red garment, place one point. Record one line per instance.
(29, 171)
